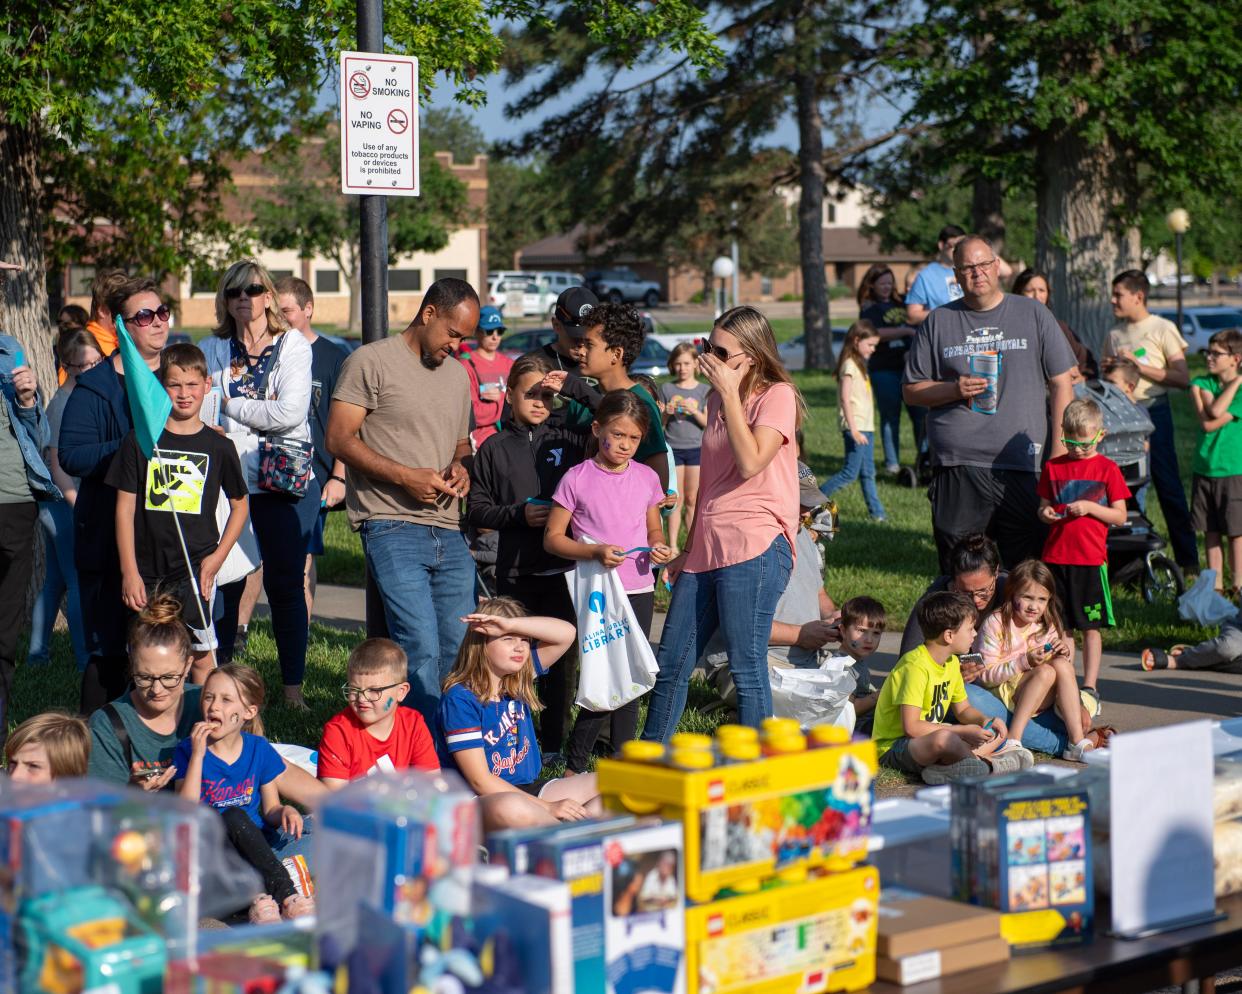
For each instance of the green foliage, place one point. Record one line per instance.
(450, 129)
(524, 203)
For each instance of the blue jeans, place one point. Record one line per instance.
(1168, 484)
(1044, 733)
(425, 576)
(886, 385)
(740, 600)
(283, 528)
(56, 519)
(859, 465)
(286, 846)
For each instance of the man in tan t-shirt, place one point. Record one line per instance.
(400, 421)
(1157, 348)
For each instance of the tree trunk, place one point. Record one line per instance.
(812, 177)
(987, 212)
(23, 294)
(1078, 241)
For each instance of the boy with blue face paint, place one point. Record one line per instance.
(375, 733)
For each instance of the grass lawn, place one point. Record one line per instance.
(892, 561)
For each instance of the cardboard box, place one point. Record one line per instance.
(934, 963)
(920, 924)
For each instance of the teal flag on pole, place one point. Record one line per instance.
(149, 403)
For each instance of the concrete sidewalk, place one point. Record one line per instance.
(1132, 699)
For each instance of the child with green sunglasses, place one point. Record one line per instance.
(1082, 493)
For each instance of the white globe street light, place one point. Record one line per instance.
(722, 269)
(1178, 221)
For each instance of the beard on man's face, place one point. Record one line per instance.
(432, 360)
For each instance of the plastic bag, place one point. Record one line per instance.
(243, 559)
(616, 661)
(1203, 605)
(814, 697)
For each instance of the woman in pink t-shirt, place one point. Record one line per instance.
(739, 552)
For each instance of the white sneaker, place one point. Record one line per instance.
(1011, 757)
(1077, 751)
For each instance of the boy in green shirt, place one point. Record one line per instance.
(924, 687)
(1216, 497)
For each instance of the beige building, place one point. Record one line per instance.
(848, 253)
(465, 257)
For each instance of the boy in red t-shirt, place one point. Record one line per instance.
(1081, 494)
(375, 732)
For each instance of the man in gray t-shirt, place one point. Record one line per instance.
(987, 366)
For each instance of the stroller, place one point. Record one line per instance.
(1135, 550)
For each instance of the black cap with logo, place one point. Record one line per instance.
(572, 307)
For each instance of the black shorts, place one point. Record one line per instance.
(897, 757)
(1216, 504)
(535, 786)
(686, 457)
(1086, 604)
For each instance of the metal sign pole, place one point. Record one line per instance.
(374, 208)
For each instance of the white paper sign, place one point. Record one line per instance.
(379, 124)
(1160, 786)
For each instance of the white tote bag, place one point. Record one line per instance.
(615, 659)
(243, 559)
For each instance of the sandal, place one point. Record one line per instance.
(1100, 735)
(263, 910)
(297, 906)
(1154, 659)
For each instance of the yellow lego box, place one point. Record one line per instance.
(749, 821)
(805, 938)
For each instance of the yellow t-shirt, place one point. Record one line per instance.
(862, 404)
(917, 680)
(1158, 339)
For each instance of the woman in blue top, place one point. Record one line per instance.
(485, 722)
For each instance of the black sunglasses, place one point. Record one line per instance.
(720, 352)
(144, 317)
(253, 290)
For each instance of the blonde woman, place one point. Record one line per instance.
(264, 376)
(739, 552)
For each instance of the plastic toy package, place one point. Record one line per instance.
(752, 809)
(103, 887)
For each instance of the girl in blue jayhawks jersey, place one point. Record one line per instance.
(485, 724)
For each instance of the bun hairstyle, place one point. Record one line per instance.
(973, 553)
(250, 689)
(160, 624)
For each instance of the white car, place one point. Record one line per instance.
(498, 297)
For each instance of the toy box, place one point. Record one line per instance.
(804, 938)
(1027, 843)
(382, 842)
(628, 904)
(747, 821)
(510, 847)
(98, 881)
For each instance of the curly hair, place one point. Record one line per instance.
(621, 327)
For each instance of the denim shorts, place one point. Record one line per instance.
(898, 757)
(686, 457)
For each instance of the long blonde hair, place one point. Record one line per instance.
(754, 335)
(470, 667)
(242, 274)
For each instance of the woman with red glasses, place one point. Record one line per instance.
(95, 420)
(264, 376)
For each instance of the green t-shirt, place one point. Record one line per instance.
(150, 751)
(1220, 451)
(918, 680)
(653, 443)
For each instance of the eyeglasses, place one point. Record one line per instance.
(982, 595)
(144, 317)
(978, 267)
(721, 353)
(1071, 443)
(1217, 353)
(82, 367)
(372, 694)
(169, 681)
(252, 290)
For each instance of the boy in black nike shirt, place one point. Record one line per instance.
(195, 463)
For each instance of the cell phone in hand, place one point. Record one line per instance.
(971, 659)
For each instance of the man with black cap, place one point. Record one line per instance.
(578, 397)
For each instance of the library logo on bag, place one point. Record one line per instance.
(597, 603)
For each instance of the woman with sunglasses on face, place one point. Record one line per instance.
(488, 369)
(78, 352)
(739, 552)
(95, 421)
(264, 375)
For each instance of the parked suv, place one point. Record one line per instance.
(618, 285)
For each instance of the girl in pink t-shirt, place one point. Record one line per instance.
(614, 502)
(739, 553)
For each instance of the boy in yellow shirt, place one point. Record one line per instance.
(924, 687)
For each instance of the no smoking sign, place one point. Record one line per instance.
(379, 124)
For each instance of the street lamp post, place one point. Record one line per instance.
(1178, 221)
(722, 269)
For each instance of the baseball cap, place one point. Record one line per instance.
(809, 494)
(572, 306)
(490, 319)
